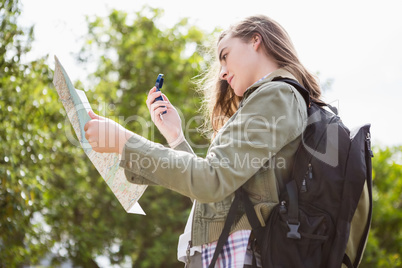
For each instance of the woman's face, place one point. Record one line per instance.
(238, 61)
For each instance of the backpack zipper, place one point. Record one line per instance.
(310, 171)
(282, 208)
(309, 175)
(368, 143)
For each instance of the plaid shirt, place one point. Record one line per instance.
(235, 253)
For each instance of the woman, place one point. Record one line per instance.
(257, 126)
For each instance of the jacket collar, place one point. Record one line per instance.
(277, 73)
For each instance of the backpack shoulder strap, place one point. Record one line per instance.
(304, 92)
(240, 196)
(226, 229)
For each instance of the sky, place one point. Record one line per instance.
(355, 43)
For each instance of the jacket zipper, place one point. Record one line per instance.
(190, 243)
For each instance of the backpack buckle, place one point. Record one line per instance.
(293, 233)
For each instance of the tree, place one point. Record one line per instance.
(133, 54)
(31, 154)
(52, 198)
(385, 238)
(86, 218)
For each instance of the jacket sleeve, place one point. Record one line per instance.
(137, 179)
(269, 119)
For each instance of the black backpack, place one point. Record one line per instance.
(310, 226)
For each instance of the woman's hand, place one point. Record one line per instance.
(169, 124)
(105, 135)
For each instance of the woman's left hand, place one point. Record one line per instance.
(105, 135)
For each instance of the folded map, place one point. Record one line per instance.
(77, 106)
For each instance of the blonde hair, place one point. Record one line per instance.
(220, 101)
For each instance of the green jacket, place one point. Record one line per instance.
(254, 149)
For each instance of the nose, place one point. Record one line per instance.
(224, 73)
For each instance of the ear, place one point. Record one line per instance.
(256, 40)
